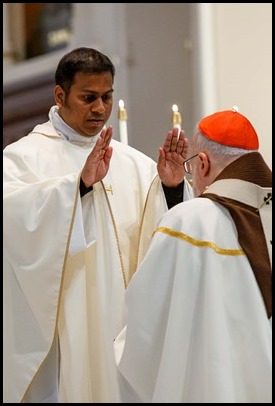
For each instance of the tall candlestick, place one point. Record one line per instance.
(122, 117)
(176, 118)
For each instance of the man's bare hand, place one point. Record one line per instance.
(171, 158)
(98, 161)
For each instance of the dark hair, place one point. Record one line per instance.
(86, 60)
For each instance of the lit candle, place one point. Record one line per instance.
(176, 118)
(122, 117)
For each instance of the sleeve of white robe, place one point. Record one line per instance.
(187, 191)
(84, 227)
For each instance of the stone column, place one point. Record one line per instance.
(8, 52)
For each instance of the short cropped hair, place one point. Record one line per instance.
(85, 60)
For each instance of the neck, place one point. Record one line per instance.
(249, 167)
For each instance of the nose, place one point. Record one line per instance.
(98, 106)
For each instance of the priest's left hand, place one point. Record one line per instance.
(171, 158)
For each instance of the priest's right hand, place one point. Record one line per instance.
(98, 161)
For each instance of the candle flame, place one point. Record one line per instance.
(176, 116)
(175, 108)
(122, 113)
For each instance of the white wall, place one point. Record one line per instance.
(244, 62)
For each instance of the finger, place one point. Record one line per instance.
(175, 132)
(182, 135)
(182, 144)
(174, 140)
(167, 142)
(108, 137)
(109, 132)
(106, 134)
(108, 155)
(161, 154)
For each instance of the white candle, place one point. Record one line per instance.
(122, 117)
(176, 118)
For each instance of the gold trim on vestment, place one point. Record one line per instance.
(141, 224)
(108, 188)
(105, 190)
(199, 243)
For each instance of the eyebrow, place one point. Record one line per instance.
(97, 93)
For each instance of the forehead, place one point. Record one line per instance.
(93, 82)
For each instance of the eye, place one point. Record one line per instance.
(107, 97)
(90, 99)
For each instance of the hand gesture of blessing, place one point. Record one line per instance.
(98, 161)
(171, 158)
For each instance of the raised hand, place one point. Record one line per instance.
(171, 158)
(98, 161)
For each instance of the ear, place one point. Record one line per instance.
(59, 96)
(204, 164)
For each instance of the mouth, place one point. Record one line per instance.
(96, 122)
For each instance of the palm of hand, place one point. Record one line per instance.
(170, 169)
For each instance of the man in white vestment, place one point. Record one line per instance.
(198, 309)
(79, 212)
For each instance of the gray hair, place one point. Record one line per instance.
(221, 154)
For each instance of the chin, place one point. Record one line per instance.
(91, 133)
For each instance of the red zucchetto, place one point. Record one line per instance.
(230, 128)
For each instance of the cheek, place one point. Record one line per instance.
(109, 109)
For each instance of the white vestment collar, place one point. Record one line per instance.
(66, 131)
(251, 194)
